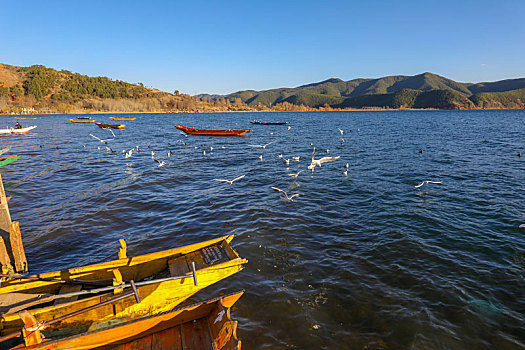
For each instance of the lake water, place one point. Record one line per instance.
(359, 261)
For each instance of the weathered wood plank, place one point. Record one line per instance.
(5, 217)
(195, 335)
(178, 266)
(167, 339)
(17, 247)
(5, 261)
(68, 288)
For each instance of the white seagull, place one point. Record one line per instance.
(522, 226)
(318, 162)
(285, 196)
(296, 174)
(231, 181)
(106, 140)
(262, 146)
(129, 153)
(341, 131)
(161, 163)
(428, 182)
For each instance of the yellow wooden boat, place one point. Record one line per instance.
(163, 280)
(116, 118)
(206, 325)
(81, 121)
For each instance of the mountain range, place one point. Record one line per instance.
(425, 90)
(42, 88)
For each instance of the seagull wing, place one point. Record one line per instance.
(341, 131)
(255, 146)
(238, 178)
(279, 190)
(96, 137)
(328, 159)
(313, 154)
(269, 143)
(296, 195)
(223, 180)
(435, 182)
(421, 184)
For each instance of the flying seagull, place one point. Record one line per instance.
(262, 146)
(231, 181)
(161, 163)
(296, 174)
(428, 182)
(318, 162)
(341, 131)
(285, 196)
(106, 140)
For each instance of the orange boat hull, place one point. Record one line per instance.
(207, 132)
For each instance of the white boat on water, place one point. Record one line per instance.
(17, 131)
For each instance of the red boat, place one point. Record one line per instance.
(206, 132)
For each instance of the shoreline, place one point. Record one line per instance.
(259, 111)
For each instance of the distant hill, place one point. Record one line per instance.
(49, 90)
(39, 89)
(425, 90)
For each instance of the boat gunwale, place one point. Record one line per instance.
(130, 262)
(225, 301)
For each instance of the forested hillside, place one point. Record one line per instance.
(425, 90)
(45, 89)
(38, 89)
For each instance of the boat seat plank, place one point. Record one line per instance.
(195, 335)
(178, 266)
(68, 288)
(167, 339)
(14, 302)
(144, 343)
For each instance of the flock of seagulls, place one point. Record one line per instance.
(314, 162)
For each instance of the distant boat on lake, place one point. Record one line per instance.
(112, 126)
(208, 132)
(268, 123)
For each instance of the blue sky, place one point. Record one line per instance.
(222, 47)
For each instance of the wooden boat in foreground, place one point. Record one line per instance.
(207, 132)
(17, 131)
(111, 126)
(162, 280)
(7, 160)
(81, 121)
(117, 118)
(201, 326)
